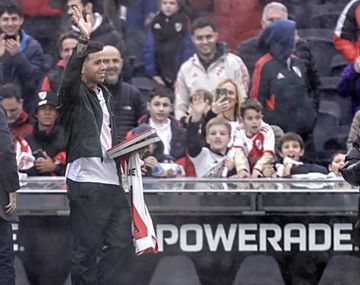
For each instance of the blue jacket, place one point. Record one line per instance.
(25, 68)
(167, 45)
(349, 85)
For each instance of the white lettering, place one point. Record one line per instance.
(213, 239)
(172, 239)
(339, 237)
(273, 240)
(256, 237)
(244, 237)
(300, 239)
(198, 243)
(314, 231)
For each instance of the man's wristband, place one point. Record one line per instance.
(83, 40)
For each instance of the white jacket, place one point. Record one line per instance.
(193, 76)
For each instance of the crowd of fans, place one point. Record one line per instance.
(217, 113)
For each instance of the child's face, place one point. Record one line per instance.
(160, 109)
(169, 7)
(252, 121)
(218, 138)
(291, 149)
(337, 163)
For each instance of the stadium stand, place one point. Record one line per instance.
(341, 270)
(259, 269)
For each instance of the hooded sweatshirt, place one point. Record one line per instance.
(280, 82)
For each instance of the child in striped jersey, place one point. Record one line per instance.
(256, 141)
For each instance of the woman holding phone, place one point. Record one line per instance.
(227, 102)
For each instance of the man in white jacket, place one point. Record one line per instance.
(210, 64)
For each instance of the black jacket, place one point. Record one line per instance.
(351, 169)
(280, 82)
(80, 112)
(25, 68)
(249, 51)
(53, 144)
(9, 179)
(128, 105)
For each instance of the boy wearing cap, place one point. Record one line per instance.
(47, 138)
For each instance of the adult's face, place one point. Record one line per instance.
(113, 63)
(10, 24)
(13, 108)
(67, 47)
(231, 95)
(93, 71)
(71, 3)
(205, 40)
(273, 14)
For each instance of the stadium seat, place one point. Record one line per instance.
(341, 269)
(328, 120)
(144, 84)
(328, 91)
(323, 50)
(325, 15)
(259, 270)
(317, 33)
(337, 65)
(175, 270)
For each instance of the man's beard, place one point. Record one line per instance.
(112, 77)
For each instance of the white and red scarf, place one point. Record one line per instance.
(142, 226)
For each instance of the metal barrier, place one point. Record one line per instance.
(215, 224)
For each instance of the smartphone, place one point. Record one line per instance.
(39, 154)
(7, 37)
(221, 94)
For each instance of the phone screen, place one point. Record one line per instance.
(221, 94)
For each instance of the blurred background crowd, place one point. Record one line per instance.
(251, 89)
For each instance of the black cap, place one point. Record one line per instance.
(47, 98)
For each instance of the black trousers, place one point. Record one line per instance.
(7, 255)
(101, 233)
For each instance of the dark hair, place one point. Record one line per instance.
(335, 154)
(65, 36)
(11, 8)
(10, 90)
(93, 46)
(289, 136)
(179, 2)
(203, 22)
(250, 105)
(162, 91)
(95, 3)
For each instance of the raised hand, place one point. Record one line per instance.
(12, 46)
(219, 105)
(84, 25)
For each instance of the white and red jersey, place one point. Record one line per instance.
(256, 146)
